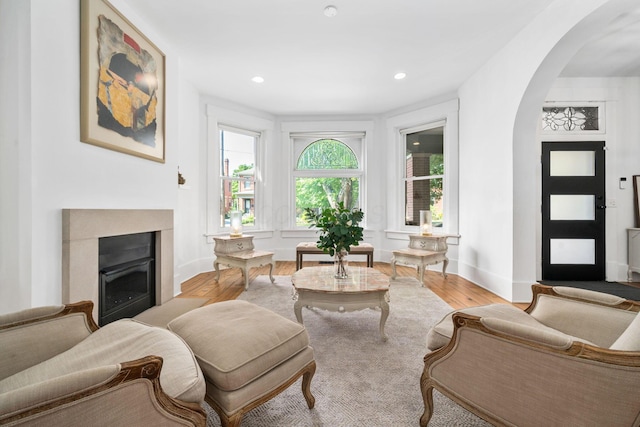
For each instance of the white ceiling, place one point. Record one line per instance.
(345, 64)
(615, 52)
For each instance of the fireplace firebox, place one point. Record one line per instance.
(127, 276)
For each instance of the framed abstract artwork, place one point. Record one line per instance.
(122, 80)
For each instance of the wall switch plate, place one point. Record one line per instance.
(623, 183)
(611, 203)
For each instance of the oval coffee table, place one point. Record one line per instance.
(364, 288)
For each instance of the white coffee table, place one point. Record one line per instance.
(364, 288)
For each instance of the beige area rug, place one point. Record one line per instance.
(161, 315)
(360, 380)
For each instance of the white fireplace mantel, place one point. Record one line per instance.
(81, 229)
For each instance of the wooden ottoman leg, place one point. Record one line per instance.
(232, 420)
(393, 267)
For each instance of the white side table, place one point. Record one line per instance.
(422, 251)
(239, 252)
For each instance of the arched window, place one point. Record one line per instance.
(327, 154)
(327, 172)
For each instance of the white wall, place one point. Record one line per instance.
(15, 147)
(499, 109)
(55, 169)
(526, 149)
(489, 102)
(189, 218)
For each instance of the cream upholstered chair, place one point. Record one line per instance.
(571, 358)
(58, 368)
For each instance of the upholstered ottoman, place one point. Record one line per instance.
(248, 355)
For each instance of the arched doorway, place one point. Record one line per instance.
(527, 247)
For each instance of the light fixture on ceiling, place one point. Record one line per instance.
(400, 76)
(257, 79)
(330, 11)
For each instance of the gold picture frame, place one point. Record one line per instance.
(122, 85)
(636, 200)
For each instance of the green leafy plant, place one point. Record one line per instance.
(339, 228)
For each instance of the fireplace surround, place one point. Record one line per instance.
(81, 231)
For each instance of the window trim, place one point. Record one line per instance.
(327, 129)
(302, 141)
(405, 179)
(241, 123)
(243, 183)
(444, 114)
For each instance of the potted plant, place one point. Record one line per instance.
(339, 230)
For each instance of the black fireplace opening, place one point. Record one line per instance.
(127, 276)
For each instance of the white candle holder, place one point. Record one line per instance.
(426, 227)
(236, 224)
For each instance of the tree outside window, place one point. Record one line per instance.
(327, 173)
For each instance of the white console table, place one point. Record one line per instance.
(239, 252)
(423, 251)
(633, 236)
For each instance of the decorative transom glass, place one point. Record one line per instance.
(570, 119)
(327, 154)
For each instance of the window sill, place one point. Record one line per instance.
(257, 234)
(404, 235)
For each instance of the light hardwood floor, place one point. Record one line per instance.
(454, 290)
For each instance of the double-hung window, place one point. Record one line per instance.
(237, 174)
(327, 171)
(424, 173)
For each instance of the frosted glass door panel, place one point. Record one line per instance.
(573, 251)
(572, 163)
(572, 207)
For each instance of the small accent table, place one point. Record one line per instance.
(309, 248)
(423, 251)
(238, 252)
(364, 288)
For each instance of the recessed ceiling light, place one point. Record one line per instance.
(257, 79)
(400, 76)
(330, 11)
